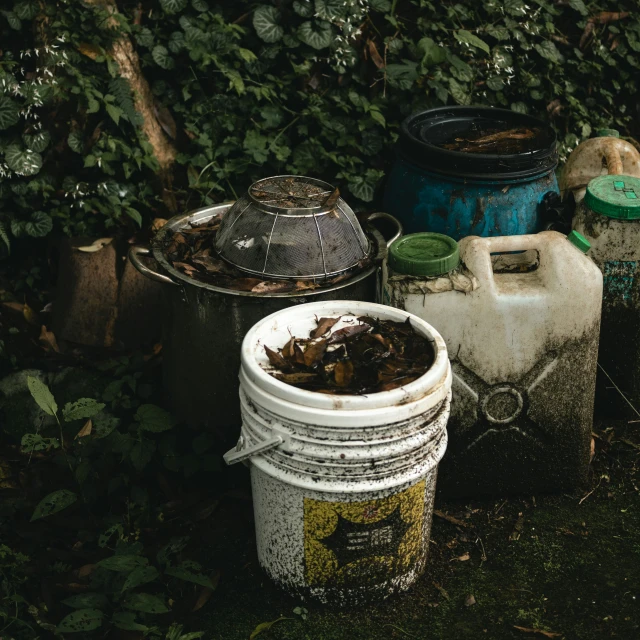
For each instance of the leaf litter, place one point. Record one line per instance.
(192, 251)
(367, 356)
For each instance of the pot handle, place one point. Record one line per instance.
(240, 454)
(386, 216)
(134, 255)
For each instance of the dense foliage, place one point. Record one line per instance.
(243, 90)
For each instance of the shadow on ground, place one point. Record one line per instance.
(532, 567)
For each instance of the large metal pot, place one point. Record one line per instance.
(205, 325)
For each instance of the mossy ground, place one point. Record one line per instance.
(566, 565)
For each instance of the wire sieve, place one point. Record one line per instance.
(292, 227)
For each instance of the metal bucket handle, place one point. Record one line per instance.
(134, 255)
(386, 216)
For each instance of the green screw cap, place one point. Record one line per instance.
(614, 197)
(607, 133)
(424, 254)
(578, 240)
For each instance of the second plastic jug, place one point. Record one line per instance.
(523, 343)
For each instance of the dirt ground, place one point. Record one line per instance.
(563, 566)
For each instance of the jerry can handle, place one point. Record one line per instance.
(613, 159)
(240, 454)
(378, 215)
(134, 255)
(477, 252)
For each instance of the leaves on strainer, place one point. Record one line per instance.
(192, 251)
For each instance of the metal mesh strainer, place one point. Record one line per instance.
(292, 227)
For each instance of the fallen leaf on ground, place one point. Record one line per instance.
(451, 519)
(463, 558)
(206, 592)
(96, 245)
(30, 315)
(470, 601)
(546, 634)
(442, 590)
(48, 340)
(265, 626)
(85, 431)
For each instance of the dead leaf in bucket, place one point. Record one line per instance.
(314, 352)
(343, 373)
(324, 325)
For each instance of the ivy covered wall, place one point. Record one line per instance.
(113, 112)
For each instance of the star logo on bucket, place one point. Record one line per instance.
(353, 541)
(496, 408)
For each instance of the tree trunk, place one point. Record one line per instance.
(124, 54)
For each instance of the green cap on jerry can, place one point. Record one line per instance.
(579, 241)
(424, 254)
(614, 196)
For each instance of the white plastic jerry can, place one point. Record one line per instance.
(523, 343)
(609, 217)
(602, 155)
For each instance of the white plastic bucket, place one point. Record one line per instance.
(343, 486)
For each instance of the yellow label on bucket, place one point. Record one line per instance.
(359, 542)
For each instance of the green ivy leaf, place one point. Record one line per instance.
(13, 20)
(141, 575)
(87, 601)
(432, 53)
(362, 188)
(246, 54)
(458, 92)
(83, 408)
(23, 161)
(317, 34)
(41, 394)
(377, 116)
(75, 142)
(466, 37)
(54, 502)
(330, 9)
(104, 424)
(548, 50)
(146, 603)
(162, 58)
(127, 621)
(173, 6)
(141, 453)
(36, 142)
(304, 8)
(265, 22)
(383, 6)
(39, 225)
(35, 442)
(190, 571)
(26, 9)
(579, 6)
(81, 621)
(9, 112)
(200, 5)
(124, 563)
(153, 418)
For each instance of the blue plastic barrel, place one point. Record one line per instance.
(458, 193)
